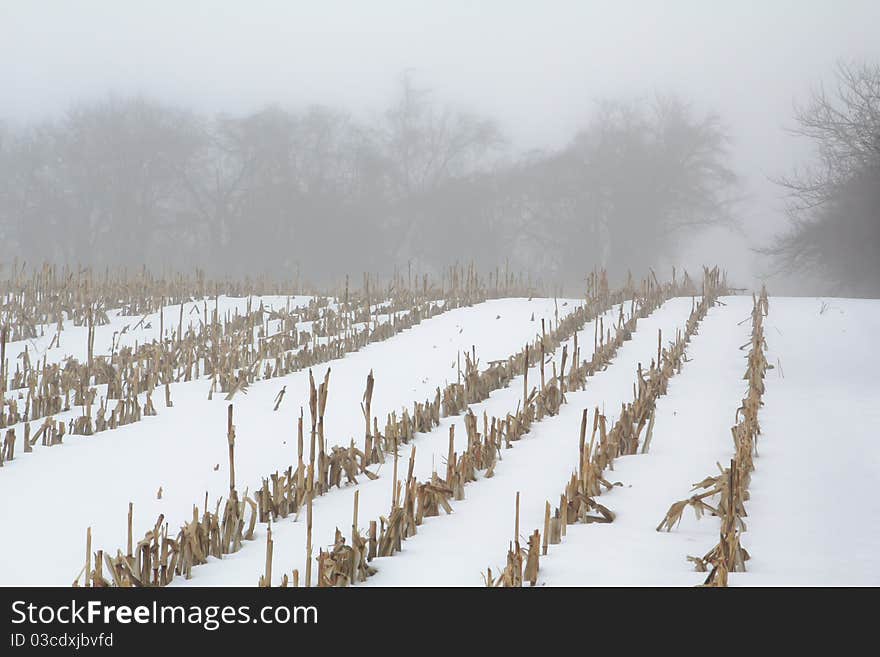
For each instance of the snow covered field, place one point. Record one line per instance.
(815, 514)
(69, 482)
(812, 516)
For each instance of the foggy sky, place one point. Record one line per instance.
(536, 66)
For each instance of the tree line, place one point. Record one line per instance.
(317, 191)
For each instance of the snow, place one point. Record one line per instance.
(457, 549)
(54, 493)
(73, 338)
(334, 509)
(691, 433)
(815, 511)
(813, 514)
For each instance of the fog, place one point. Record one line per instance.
(540, 72)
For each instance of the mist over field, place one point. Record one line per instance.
(409, 293)
(318, 139)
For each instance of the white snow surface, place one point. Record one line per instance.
(814, 518)
(815, 509)
(53, 494)
(73, 338)
(457, 549)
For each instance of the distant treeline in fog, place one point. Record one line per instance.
(318, 192)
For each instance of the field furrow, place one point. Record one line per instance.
(691, 433)
(90, 480)
(455, 549)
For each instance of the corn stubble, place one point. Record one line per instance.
(630, 434)
(729, 489)
(233, 350)
(233, 363)
(160, 556)
(424, 499)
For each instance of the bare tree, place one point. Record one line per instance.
(834, 206)
(110, 175)
(427, 144)
(429, 147)
(636, 177)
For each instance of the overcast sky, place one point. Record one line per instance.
(537, 66)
